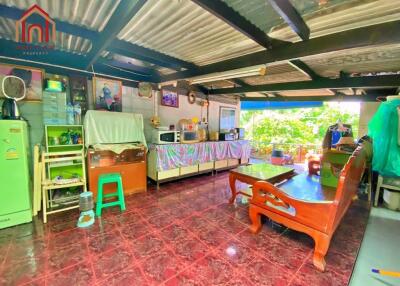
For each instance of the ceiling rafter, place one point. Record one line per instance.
(308, 71)
(379, 34)
(124, 12)
(240, 82)
(322, 83)
(135, 51)
(286, 10)
(117, 46)
(373, 96)
(61, 59)
(238, 22)
(304, 68)
(140, 70)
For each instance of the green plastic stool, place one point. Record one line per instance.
(107, 179)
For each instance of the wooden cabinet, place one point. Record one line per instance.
(189, 170)
(206, 166)
(233, 162)
(221, 164)
(131, 164)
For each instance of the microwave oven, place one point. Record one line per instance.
(189, 136)
(165, 136)
(227, 136)
(240, 133)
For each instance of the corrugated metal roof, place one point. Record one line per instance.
(120, 58)
(263, 15)
(277, 73)
(65, 42)
(165, 71)
(369, 59)
(124, 59)
(136, 62)
(309, 6)
(92, 14)
(186, 31)
(343, 16)
(258, 12)
(219, 84)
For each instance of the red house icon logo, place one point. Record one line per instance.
(28, 30)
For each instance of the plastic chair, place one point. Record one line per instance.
(107, 179)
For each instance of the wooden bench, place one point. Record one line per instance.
(304, 205)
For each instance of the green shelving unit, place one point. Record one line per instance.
(55, 141)
(65, 150)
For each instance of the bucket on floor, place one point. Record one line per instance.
(277, 157)
(392, 199)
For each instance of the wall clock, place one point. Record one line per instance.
(145, 89)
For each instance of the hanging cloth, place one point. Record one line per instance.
(384, 131)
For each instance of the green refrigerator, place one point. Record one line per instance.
(15, 194)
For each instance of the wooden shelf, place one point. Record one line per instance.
(64, 165)
(66, 145)
(49, 185)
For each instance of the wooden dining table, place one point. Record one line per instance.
(250, 174)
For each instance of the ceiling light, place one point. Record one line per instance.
(238, 73)
(173, 83)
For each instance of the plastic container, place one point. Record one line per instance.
(86, 201)
(392, 199)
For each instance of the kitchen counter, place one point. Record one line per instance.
(172, 161)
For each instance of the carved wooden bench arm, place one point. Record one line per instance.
(264, 192)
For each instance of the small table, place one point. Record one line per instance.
(258, 172)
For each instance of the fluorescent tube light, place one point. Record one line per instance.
(238, 73)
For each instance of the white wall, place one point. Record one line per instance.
(367, 111)
(131, 102)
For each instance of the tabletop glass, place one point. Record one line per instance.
(264, 171)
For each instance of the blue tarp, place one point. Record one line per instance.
(260, 105)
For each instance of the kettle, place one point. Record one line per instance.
(9, 109)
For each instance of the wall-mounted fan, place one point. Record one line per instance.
(14, 90)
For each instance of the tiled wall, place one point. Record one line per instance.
(32, 111)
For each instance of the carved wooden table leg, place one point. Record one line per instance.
(232, 184)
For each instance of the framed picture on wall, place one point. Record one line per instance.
(169, 98)
(32, 77)
(227, 118)
(107, 94)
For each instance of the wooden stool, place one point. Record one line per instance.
(107, 179)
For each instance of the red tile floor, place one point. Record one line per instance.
(184, 234)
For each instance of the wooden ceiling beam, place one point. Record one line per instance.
(117, 46)
(224, 12)
(322, 83)
(370, 97)
(304, 68)
(286, 10)
(124, 12)
(379, 34)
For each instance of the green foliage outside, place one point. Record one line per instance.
(306, 126)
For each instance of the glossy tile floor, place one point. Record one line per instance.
(184, 234)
